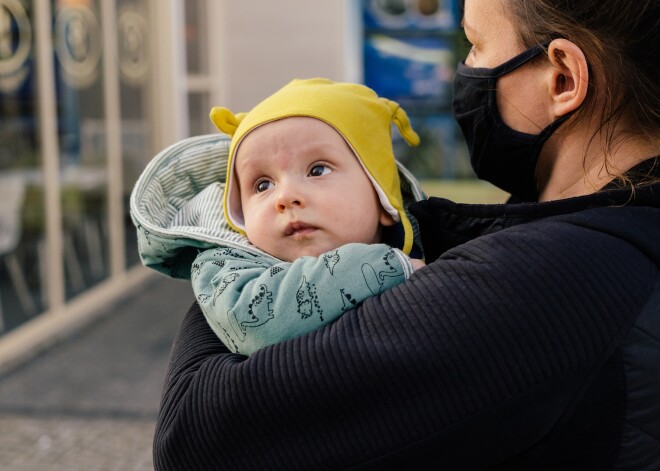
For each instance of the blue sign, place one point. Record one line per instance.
(414, 69)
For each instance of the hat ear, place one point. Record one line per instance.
(402, 122)
(225, 120)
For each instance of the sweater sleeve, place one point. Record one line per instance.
(250, 302)
(475, 358)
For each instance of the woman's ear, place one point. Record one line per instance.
(569, 78)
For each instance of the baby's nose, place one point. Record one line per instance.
(288, 198)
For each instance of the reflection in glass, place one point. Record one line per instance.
(82, 143)
(22, 284)
(135, 75)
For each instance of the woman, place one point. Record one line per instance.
(532, 338)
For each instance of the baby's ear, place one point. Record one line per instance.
(225, 120)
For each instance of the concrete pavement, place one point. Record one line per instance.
(90, 402)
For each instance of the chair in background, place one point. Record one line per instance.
(12, 194)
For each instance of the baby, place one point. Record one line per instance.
(313, 184)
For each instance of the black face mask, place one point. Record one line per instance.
(501, 155)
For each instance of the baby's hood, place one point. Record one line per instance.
(176, 204)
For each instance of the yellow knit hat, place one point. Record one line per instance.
(355, 111)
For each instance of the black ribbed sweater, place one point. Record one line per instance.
(522, 345)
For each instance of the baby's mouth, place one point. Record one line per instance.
(298, 229)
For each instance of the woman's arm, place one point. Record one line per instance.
(473, 359)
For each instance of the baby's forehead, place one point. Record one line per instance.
(294, 137)
(290, 127)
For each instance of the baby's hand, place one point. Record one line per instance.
(417, 263)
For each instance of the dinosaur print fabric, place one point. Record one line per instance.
(251, 301)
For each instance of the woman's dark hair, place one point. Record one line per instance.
(621, 41)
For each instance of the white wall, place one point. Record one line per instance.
(263, 44)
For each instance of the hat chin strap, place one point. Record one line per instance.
(382, 197)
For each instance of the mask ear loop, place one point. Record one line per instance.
(505, 68)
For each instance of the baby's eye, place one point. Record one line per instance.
(318, 170)
(262, 186)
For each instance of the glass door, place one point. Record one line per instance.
(22, 230)
(78, 46)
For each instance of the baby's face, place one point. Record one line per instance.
(303, 191)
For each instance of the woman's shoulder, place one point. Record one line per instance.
(592, 236)
(629, 218)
